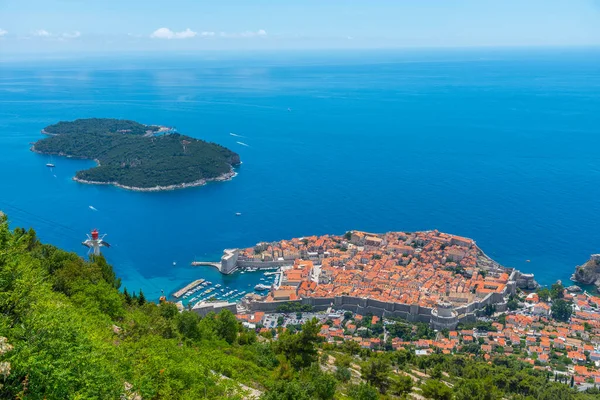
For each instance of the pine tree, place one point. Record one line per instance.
(127, 296)
(141, 298)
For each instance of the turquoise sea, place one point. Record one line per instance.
(500, 145)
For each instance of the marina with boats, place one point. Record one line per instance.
(239, 276)
(204, 291)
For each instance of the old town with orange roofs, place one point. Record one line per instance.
(424, 292)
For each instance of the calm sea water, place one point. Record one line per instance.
(499, 145)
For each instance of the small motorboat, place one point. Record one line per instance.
(49, 165)
(238, 214)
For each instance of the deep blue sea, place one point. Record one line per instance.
(499, 145)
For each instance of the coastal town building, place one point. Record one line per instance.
(570, 349)
(427, 276)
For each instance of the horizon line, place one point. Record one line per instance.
(72, 54)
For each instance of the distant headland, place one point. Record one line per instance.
(138, 157)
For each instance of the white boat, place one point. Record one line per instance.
(260, 286)
(238, 214)
(50, 165)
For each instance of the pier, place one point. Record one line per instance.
(206, 264)
(182, 291)
(227, 265)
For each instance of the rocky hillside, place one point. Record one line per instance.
(589, 273)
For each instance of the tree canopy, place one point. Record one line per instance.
(135, 160)
(99, 126)
(561, 310)
(74, 335)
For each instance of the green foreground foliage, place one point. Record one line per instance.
(74, 335)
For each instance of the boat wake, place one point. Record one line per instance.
(93, 208)
(233, 134)
(243, 144)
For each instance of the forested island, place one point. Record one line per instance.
(136, 156)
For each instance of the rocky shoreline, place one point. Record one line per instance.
(201, 182)
(588, 273)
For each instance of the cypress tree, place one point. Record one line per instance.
(572, 380)
(141, 298)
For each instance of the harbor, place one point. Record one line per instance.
(231, 289)
(186, 288)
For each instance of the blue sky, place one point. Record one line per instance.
(123, 25)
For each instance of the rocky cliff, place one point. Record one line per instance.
(588, 273)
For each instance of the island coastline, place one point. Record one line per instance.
(147, 147)
(200, 182)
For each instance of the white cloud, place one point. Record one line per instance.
(71, 35)
(3, 32)
(166, 33)
(246, 34)
(41, 33)
(260, 32)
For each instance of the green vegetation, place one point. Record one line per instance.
(557, 291)
(438, 376)
(561, 310)
(376, 373)
(76, 336)
(129, 157)
(434, 389)
(99, 126)
(67, 332)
